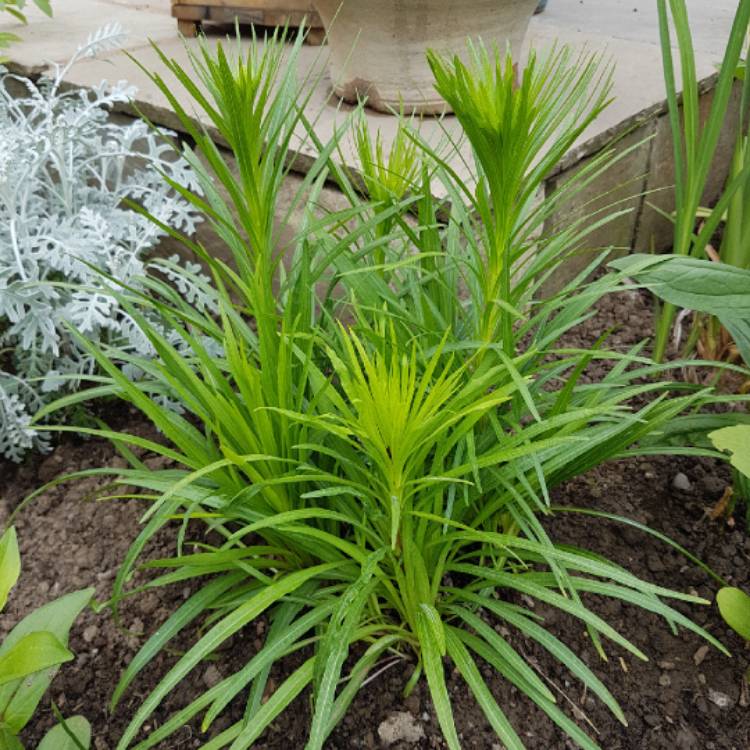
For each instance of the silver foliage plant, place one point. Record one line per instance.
(67, 236)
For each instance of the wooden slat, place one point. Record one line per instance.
(274, 5)
(261, 17)
(255, 12)
(190, 12)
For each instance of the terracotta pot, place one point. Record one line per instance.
(378, 46)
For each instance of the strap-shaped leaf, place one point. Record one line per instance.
(529, 627)
(192, 608)
(283, 696)
(217, 635)
(433, 669)
(334, 647)
(505, 652)
(470, 673)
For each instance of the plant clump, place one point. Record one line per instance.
(68, 235)
(373, 418)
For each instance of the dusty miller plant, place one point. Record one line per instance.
(68, 235)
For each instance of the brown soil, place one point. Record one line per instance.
(685, 698)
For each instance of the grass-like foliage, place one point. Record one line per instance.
(377, 488)
(695, 144)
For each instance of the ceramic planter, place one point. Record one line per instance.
(378, 46)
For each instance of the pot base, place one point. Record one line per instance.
(378, 50)
(358, 90)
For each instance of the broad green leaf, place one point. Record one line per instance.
(716, 289)
(33, 653)
(734, 606)
(735, 440)
(59, 739)
(692, 283)
(739, 330)
(9, 741)
(19, 699)
(10, 564)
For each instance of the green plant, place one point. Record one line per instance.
(695, 145)
(714, 289)
(735, 243)
(30, 656)
(734, 604)
(736, 441)
(66, 171)
(15, 9)
(378, 486)
(711, 339)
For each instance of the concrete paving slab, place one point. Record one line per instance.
(637, 20)
(46, 40)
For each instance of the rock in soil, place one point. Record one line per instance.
(681, 483)
(400, 726)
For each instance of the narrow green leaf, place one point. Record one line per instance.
(219, 633)
(334, 647)
(185, 614)
(282, 697)
(433, 669)
(469, 671)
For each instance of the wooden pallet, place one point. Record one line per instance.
(191, 14)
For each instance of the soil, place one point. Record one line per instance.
(686, 698)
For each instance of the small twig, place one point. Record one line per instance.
(722, 506)
(394, 660)
(577, 710)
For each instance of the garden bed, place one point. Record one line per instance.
(687, 697)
